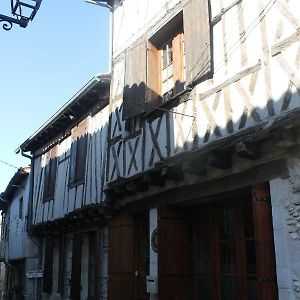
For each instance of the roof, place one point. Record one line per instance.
(13, 186)
(93, 92)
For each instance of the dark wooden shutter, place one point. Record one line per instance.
(153, 77)
(197, 40)
(135, 80)
(76, 266)
(72, 166)
(173, 256)
(121, 284)
(178, 65)
(265, 242)
(78, 151)
(48, 265)
(81, 157)
(61, 270)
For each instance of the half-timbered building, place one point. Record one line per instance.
(178, 177)
(66, 210)
(202, 157)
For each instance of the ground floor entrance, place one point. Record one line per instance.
(221, 248)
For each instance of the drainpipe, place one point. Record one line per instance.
(29, 225)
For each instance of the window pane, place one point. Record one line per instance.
(203, 258)
(165, 63)
(164, 74)
(228, 288)
(226, 224)
(164, 87)
(252, 291)
(227, 257)
(170, 83)
(204, 287)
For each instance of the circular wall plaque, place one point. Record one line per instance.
(154, 240)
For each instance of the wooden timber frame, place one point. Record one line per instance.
(280, 133)
(82, 220)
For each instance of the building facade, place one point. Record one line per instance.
(177, 176)
(19, 250)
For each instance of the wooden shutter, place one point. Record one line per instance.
(196, 20)
(48, 265)
(265, 242)
(81, 157)
(76, 266)
(78, 151)
(178, 64)
(135, 81)
(154, 77)
(173, 256)
(121, 284)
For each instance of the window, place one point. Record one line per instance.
(21, 208)
(50, 174)
(78, 154)
(177, 55)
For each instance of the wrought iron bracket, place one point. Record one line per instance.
(22, 12)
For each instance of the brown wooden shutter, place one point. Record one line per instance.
(121, 284)
(61, 270)
(178, 65)
(72, 162)
(196, 19)
(48, 265)
(76, 266)
(265, 242)
(173, 256)
(81, 157)
(135, 81)
(78, 151)
(153, 77)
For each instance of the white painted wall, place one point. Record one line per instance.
(17, 235)
(90, 192)
(243, 40)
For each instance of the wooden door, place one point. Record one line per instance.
(173, 256)
(233, 251)
(128, 257)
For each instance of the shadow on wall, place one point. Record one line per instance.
(163, 132)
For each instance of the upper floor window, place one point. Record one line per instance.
(50, 174)
(78, 153)
(177, 55)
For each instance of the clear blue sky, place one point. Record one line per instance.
(43, 66)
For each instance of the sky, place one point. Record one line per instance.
(43, 66)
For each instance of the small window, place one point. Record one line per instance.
(166, 62)
(21, 208)
(78, 154)
(50, 174)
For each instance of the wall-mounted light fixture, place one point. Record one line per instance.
(22, 12)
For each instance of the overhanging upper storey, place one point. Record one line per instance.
(96, 91)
